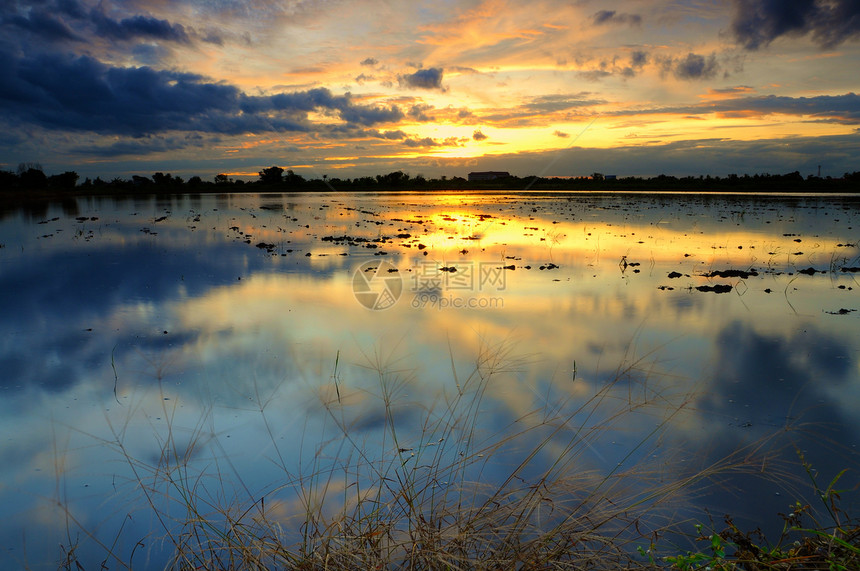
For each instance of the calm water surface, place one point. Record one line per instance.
(239, 330)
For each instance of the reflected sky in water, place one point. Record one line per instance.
(229, 326)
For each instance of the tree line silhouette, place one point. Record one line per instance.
(30, 178)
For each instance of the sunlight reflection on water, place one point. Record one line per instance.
(185, 322)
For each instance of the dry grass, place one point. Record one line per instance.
(451, 495)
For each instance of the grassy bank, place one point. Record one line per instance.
(454, 495)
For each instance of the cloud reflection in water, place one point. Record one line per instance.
(210, 333)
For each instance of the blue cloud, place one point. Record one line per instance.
(430, 78)
(757, 23)
(638, 58)
(43, 24)
(696, 66)
(64, 20)
(138, 27)
(843, 109)
(57, 91)
(613, 17)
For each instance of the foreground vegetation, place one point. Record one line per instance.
(30, 179)
(455, 497)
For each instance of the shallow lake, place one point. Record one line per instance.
(249, 342)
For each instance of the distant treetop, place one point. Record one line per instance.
(31, 178)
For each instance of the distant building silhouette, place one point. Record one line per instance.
(488, 175)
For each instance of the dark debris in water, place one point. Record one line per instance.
(811, 271)
(719, 288)
(842, 311)
(731, 274)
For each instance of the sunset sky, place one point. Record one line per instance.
(353, 88)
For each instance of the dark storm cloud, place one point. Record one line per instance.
(138, 27)
(70, 8)
(80, 93)
(694, 66)
(68, 20)
(425, 142)
(370, 115)
(757, 23)
(430, 78)
(419, 112)
(369, 61)
(390, 135)
(638, 58)
(57, 91)
(844, 109)
(320, 98)
(603, 16)
(43, 24)
(613, 17)
(297, 101)
(838, 154)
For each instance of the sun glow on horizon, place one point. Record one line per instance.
(430, 86)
